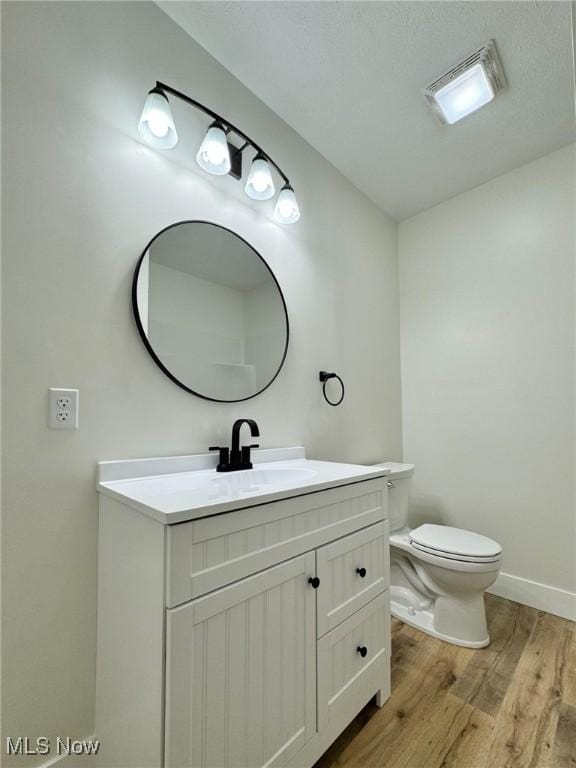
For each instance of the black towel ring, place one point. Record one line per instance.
(324, 377)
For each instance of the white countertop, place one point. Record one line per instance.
(181, 488)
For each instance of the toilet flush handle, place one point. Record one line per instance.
(390, 484)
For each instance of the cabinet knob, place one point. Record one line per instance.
(361, 572)
(314, 581)
(362, 650)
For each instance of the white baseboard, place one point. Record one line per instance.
(536, 595)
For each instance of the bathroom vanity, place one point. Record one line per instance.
(243, 619)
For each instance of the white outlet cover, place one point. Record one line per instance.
(63, 408)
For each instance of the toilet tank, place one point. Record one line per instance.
(399, 483)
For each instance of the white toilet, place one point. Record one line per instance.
(438, 574)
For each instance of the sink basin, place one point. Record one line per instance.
(270, 476)
(175, 489)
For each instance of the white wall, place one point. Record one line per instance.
(81, 198)
(487, 298)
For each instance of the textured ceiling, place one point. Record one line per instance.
(347, 76)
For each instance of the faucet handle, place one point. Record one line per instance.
(245, 456)
(223, 458)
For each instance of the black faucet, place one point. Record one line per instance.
(237, 457)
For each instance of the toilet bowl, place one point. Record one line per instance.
(438, 574)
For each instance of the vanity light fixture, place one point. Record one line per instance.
(260, 184)
(156, 124)
(469, 85)
(214, 155)
(287, 210)
(217, 155)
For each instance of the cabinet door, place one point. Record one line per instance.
(241, 672)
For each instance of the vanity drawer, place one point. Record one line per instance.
(346, 678)
(211, 552)
(352, 572)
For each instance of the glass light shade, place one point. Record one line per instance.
(465, 94)
(156, 126)
(260, 184)
(214, 155)
(287, 210)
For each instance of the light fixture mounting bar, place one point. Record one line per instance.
(215, 116)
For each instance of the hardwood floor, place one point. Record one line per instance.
(511, 705)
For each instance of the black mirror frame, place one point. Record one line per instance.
(144, 338)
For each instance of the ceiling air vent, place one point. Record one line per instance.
(467, 86)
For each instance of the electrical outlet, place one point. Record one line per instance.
(63, 408)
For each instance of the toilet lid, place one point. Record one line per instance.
(446, 541)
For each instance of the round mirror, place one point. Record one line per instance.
(210, 311)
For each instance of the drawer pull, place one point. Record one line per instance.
(362, 650)
(314, 581)
(361, 572)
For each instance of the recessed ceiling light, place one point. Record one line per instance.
(467, 86)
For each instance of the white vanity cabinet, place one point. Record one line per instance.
(217, 646)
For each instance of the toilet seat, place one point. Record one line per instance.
(455, 544)
(401, 542)
(457, 558)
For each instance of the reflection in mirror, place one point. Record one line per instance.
(210, 311)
